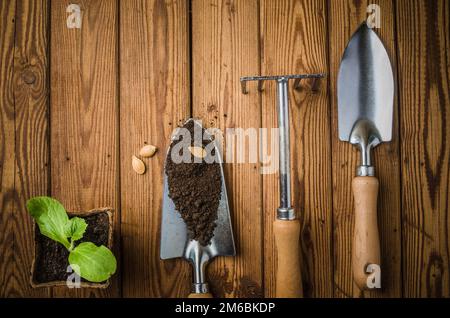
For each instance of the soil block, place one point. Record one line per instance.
(195, 189)
(52, 258)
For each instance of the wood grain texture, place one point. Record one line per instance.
(224, 47)
(288, 276)
(293, 39)
(24, 137)
(8, 195)
(424, 72)
(344, 19)
(84, 116)
(78, 148)
(31, 97)
(366, 238)
(154, 99)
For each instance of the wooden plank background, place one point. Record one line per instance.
(154, 98)
(344, 17)
(294, 41)
(221, 53)
(84, 115)
(76, 104)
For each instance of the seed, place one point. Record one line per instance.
(148, 151)
(198, 152)
(138, 165)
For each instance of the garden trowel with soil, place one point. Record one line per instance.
(365, 92)
(177, 225)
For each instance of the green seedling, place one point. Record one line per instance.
(93, 263)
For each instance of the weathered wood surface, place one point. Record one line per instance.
(294, 40)
(76, 104)
(222, 52)
(8, 200)
(424, 86)
(84, 116)
(344, 18)
(154, 99)
(31, 126)
(24, 137)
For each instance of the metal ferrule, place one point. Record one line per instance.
(365, 171)
(201, 288)
(285, 214)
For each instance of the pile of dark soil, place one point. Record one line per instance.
(195, 188)
(52, 257)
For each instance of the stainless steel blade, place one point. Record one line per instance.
(365, 90)
(174, 237)
(173, 229)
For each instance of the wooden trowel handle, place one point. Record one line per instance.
(288, 277)
(203, 295)
(366, 244)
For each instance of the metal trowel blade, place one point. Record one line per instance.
(365, 86)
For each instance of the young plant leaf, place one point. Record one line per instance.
(93, 263)
(51, 217)
(75, 228)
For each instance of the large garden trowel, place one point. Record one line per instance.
(176, 239)
(365, 109)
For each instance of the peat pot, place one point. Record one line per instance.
(50, 262)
